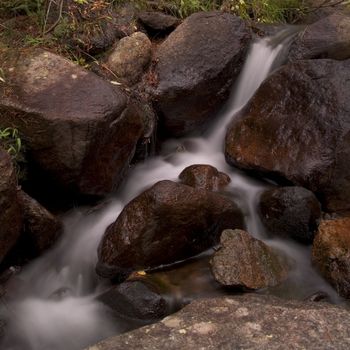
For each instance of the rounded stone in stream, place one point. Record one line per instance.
(291, 212)
(297, 127)
(196, 67)
(331, 253)
(167, 223)
(135, 299)
(244, 261)
(205, 177)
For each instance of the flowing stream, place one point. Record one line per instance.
(53, 303)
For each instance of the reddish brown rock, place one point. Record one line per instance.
(10, 208)
(167, 223)
(244, 261)
(297, 127)
(331, 253)
(79, 130)
(205, 177)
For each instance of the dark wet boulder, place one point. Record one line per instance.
(292, 212)
(196, 66)
(331, 253)
(135, 299)
(249, 321)
(167, 223)
(205, 177)
(297, 127)
(326, 38)
(79, 130)
(41, 229)
(246, 262)
(130, 58)
(158, 23)
(10, 207)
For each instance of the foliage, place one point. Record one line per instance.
(22, 6)
(267, 11)
(12, 143)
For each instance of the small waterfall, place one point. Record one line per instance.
(53, 306)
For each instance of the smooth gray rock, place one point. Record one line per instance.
(242, 322)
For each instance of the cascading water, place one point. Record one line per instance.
(53, 304)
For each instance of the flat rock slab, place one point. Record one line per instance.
(242, 322)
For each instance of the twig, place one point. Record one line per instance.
(58, 18)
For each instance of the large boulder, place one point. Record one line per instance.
(167, 223)
(205, 177)
(130, 58)
(246, 262)
(79, 130)
(331, 253)
(327, 38)
(292, 212)
(242, 322)
(10, 207)
(196, 66)
(297, 127)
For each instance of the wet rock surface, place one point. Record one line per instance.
(10, 207)
(79, 130)
(135, 299)
(167, 223)
(327, 38)
(292, 212)
(205, 177)
(246, 262)
(296, 127)
(242, 322)
(130, 58)
(193, 79)
(331, 253)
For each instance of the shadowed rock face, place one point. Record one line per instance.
(331, 253)
(205, 177)
(166, 223)
(243, 261)
(10, 208)
(327, 38)
(79, 130)
(242, 322)
(297, 127)
(291, 212)
(158, 23)
(196, 66)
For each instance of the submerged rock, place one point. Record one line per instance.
(331, 253)
(135, 299)
(242, 322)
(130, 58)
(166, 223)
(205, 177)
(10, 207)
(327, 38)
(297, 127)
(244, 261)
(80, 131)
(196, 66)
(291, 212)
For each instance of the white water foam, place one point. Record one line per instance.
(55, 307)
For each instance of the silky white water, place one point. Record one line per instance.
(53, 305)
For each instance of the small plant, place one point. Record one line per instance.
(12, 143)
